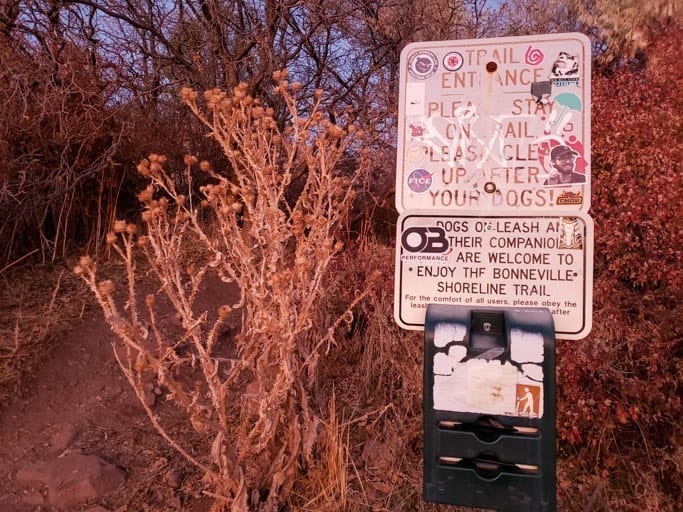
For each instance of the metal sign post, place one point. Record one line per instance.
(494, 253)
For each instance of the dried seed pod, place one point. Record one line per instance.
(111, 238)
(143, 167)
(105, 287)
(225, 105)
(334, 131)
(145, 195)
(188, 95)
(119, 226)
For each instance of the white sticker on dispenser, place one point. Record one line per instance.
(507, 384)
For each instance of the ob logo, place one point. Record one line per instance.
(418, 239)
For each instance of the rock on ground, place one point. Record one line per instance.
(71, 480)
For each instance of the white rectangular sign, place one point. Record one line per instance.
(505, 259)
(495, 124)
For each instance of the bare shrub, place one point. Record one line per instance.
(276, 228)
(57, 141)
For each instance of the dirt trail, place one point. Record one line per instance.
(79, 402)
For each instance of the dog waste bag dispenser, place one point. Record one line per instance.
(489, 400)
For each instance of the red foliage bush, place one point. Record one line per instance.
(637, 119)
(619, 391)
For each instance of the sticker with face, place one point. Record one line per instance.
(563, 159)
(565, 66)
(561, 165)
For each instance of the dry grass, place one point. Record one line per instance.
(37, 303)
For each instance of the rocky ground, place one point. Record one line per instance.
(74, 437)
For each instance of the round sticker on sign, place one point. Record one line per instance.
(422, 64)
(453, 61)
(419, 180)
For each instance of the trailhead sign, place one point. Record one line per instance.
(495, 124)
(508, 259)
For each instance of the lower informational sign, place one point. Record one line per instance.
(506, 259)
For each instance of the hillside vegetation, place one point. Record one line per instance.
(254, 142)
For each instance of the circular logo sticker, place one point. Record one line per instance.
(422, 64)
(415, 153)
(419, 180)
(453, 61)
